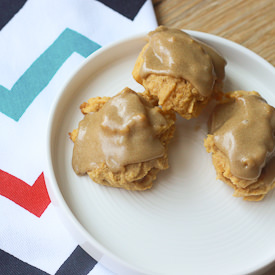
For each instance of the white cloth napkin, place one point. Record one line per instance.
(41, 45)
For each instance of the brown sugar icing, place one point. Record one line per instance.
(122, 132)
(175, 53)
(244, 131)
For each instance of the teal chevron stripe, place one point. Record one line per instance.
(14, 102)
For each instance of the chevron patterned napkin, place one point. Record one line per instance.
(41, 44)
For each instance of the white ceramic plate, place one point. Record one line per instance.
(189, 223)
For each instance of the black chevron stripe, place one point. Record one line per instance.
(8, 8)
(128, 8)
(10, 265)
(79, 262)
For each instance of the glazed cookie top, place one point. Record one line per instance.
(124, 131)
(175, 53)
(243, 130)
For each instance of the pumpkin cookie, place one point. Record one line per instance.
(179, 72)
(122, 141)
(241, 140)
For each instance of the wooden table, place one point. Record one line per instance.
(250, 23)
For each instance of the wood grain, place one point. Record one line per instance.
(250, 23)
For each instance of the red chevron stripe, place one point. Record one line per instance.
(33, 198)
